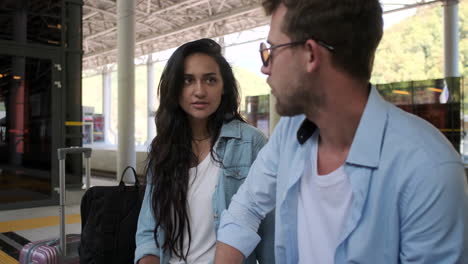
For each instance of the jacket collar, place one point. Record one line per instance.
(231, 129)
(366, 147)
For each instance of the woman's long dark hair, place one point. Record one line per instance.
(171, 154)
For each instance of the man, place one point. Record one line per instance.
(353, 178)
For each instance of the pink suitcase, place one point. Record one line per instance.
(51, 251)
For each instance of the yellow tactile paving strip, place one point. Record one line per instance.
(6, 259)
(26, 224)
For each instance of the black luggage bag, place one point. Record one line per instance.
(109, 216)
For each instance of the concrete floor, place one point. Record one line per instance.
(41, 223)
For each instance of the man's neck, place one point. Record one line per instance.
(338, 120)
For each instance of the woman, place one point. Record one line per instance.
(201, 154)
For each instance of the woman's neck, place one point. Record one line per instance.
(200, 130)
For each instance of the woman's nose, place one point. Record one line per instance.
(200, 88)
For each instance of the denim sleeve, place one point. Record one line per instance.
(434, 215)
(145, 244)
(253, 201)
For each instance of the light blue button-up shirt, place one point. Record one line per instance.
(410, 196)
(237, 148)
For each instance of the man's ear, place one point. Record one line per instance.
(313, 55)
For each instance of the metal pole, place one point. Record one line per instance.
(126, 85)
(451, 38)
(63, 244)
(274, 117)
(223, 45)
(88, 173)
(107, 101)
(151, 130)
(17, 106)
(72, 48)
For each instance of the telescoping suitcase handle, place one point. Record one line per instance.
(62, 153)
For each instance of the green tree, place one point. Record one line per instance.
(413, 48)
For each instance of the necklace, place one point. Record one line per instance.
(201, 139)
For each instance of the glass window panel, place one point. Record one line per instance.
(25, 129)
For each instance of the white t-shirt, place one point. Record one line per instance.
(202, 183)
(323, 206)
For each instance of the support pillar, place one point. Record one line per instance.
(151, 128)
(107, 103)
(17, 106)
(451, 56)
(274, 116)
(126, 155)
(223, 45)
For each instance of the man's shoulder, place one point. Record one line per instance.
(413, 134)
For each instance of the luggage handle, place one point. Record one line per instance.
(62, 153)
(137, 182)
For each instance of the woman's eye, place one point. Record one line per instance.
(187, 80)
(210, 80)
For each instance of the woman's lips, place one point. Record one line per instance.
(200, 105)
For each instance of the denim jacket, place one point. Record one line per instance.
(237, 148)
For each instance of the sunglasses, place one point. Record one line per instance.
(265, 52)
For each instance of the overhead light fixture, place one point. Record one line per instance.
(58, 26)
(401, 92)
(17, 77)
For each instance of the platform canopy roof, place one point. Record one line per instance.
(164, 24)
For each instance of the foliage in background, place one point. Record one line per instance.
(250, 84)
(413, 49)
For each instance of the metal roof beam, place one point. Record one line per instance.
(188, 26)
(212, 19)
(105, 12)
(405, 7)
(191, 3)
(91, 14)
(101, 33)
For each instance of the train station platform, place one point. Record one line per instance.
(19, 227)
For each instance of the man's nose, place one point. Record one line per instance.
(266, 69)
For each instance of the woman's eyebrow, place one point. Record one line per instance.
(210, 74)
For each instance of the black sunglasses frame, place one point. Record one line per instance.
(267, 60)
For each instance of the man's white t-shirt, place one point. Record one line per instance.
(202, 184)
(323, 206)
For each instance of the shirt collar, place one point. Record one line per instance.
(305, 131)
(367, 142)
